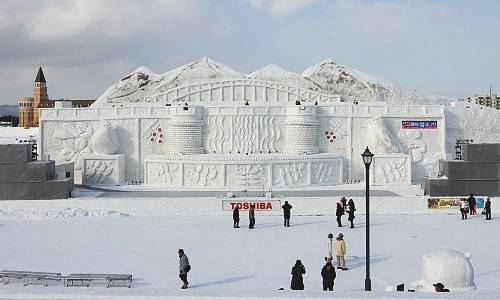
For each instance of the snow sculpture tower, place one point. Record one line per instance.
(186, 131)
(301, 126)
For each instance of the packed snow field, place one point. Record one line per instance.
(241, 263)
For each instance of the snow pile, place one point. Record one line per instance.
(57, 213)
(325, 77)
(449, 267)
(278, 74)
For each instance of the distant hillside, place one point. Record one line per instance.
(8, 110)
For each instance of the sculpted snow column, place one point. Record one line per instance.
(185, 129)
(301, 130)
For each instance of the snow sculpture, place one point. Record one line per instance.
(382, 140)
(104, 141)
(301, 130)
(450, 267)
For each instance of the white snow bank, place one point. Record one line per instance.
(12, 135)
(56, 213)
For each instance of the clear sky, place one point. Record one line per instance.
(450, 48)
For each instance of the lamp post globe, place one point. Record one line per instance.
(367, 160)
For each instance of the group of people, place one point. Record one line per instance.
(328, 272)
(251, 216)
(469, 206)
(344, 206)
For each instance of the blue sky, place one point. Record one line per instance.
(450, 48)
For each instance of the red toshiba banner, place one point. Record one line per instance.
(265, 205)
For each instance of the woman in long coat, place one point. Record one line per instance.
(297, 271)
(351, 209)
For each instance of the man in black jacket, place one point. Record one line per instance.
(236, 217)
(487, 208)
(286, 213)
(472, 204)
(328, 274)
(184, 268)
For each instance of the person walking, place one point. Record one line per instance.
(286, 213)
(463, 209)
(472, 204)
(339, 213)
(184, 268)
(297, 271)
(329, 248)
(487, 208)
(251, 216)
(351, 209)
(328, 273)
(340, 252)
(236, 217)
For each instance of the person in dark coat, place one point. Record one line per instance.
(286, 213)
(487, 208)
(184, 268)
(351, 209)
(236, 217)
(472, 204)
(439, 287)
(339, 212)
(251, 216)
(328, 273)
(343, 200)
(297, 271)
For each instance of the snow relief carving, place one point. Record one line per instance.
(249, 175)
(415, 146)
(289, 174)
(335, 131)
(75, 137)
(218, 134)
(154, 136)
(105, 140)
(204, 175)
(269, 134)
(323, 172)
(98, 171)
(392, 171)
(381, 139)
(164, 173)
(245, 134)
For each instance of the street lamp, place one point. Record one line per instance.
(367, 160)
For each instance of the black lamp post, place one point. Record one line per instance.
(367, 160)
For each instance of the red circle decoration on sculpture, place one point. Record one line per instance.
(158, 133)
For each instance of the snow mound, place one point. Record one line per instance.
(278, 74)
(59, 213)
(450, 267)
(325, 77)
(133, 87)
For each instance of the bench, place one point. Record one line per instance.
(29, 277)
(84, 279)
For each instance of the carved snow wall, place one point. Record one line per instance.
(242, 171)
(103, 169)
(391, 169)
(341, 128)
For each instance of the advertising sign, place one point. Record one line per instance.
(244, 205)
(453, 202)
(419, 124)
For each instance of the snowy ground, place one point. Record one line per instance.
(9, 135)
(240, 263)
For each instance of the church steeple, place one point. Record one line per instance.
(39, 76)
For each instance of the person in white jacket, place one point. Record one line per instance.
(329, 247)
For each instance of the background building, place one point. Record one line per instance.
(491, 100)
(29, 106)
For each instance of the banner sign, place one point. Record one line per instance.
(244, 205)
(453, 202)
(419, 124)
